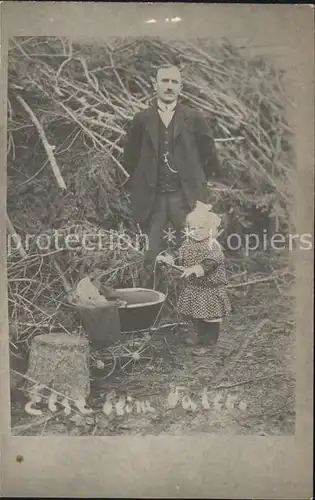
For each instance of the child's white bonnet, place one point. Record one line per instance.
(202, 212)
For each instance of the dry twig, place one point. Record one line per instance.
(47, 146)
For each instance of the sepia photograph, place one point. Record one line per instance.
(156, 264)
(149, 238)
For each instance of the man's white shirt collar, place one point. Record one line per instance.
(166, 107)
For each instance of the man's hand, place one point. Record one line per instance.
(197, 270)
(167, 259)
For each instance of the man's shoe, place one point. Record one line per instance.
(203, 351)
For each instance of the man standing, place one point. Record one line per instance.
(170, 155)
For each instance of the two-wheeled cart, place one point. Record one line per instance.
(121, 336)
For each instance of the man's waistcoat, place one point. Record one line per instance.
(167, 178)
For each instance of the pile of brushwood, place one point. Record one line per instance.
(69, 105)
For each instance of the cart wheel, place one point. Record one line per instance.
(104, 363)
(135, 358)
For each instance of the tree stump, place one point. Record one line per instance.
(61, 362)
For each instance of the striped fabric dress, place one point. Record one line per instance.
(205, 297)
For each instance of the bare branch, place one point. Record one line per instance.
(47, 146)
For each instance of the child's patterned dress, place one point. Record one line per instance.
(205, 297)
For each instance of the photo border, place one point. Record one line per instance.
(199, 465)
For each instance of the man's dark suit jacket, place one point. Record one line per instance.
(194, 156)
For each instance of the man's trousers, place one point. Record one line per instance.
(170, 207)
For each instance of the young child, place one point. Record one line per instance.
(203, 296)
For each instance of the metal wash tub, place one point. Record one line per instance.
(141, 310)
(107, 325)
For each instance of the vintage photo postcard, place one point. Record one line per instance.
(157, 243)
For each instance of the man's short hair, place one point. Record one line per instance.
(166, 66)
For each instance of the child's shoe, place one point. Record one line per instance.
(207, 344)
(190, 340)
(208, 333)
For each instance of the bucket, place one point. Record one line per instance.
(102, 324)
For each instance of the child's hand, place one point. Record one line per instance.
(167, 259)
(197, 270)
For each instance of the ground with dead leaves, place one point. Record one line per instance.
(245, 386)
